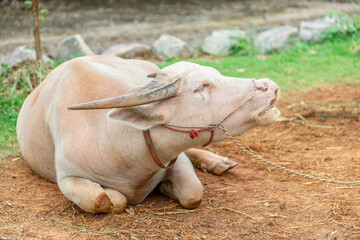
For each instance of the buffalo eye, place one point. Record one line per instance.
(202, 87)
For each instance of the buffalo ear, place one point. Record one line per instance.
(141, 117)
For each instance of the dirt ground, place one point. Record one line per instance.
(103, 23)
(319, 135)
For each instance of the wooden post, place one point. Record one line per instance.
(36, 25)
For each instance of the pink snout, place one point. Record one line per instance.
(267, 85)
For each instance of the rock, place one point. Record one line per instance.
(130, 211)
(172, 47)
(310, 31)
(220, 43)
(23, 53)
(275, 38)
(73, 46)
(128, 50)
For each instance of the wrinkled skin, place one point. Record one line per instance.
(99, 158)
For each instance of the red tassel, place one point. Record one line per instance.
(194, 134)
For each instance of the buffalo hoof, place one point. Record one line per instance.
(222, 166)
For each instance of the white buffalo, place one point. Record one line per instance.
(135, 127)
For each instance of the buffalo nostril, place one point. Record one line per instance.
(276, 91)
(263, 87)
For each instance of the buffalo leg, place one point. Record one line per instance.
(182, 184)
(91, 197)
(208, 161)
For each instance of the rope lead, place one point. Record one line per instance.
(281, 167)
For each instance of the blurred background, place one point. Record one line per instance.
(103, 23)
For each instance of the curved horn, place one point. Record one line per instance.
(161, 87)
(152, 75)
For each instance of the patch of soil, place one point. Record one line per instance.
(318, 135)
(103, 23)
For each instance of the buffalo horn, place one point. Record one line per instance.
(152, 75)
(161, 87)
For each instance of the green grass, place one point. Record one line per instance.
(15, 85)
(9, 108)
(301, 67)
